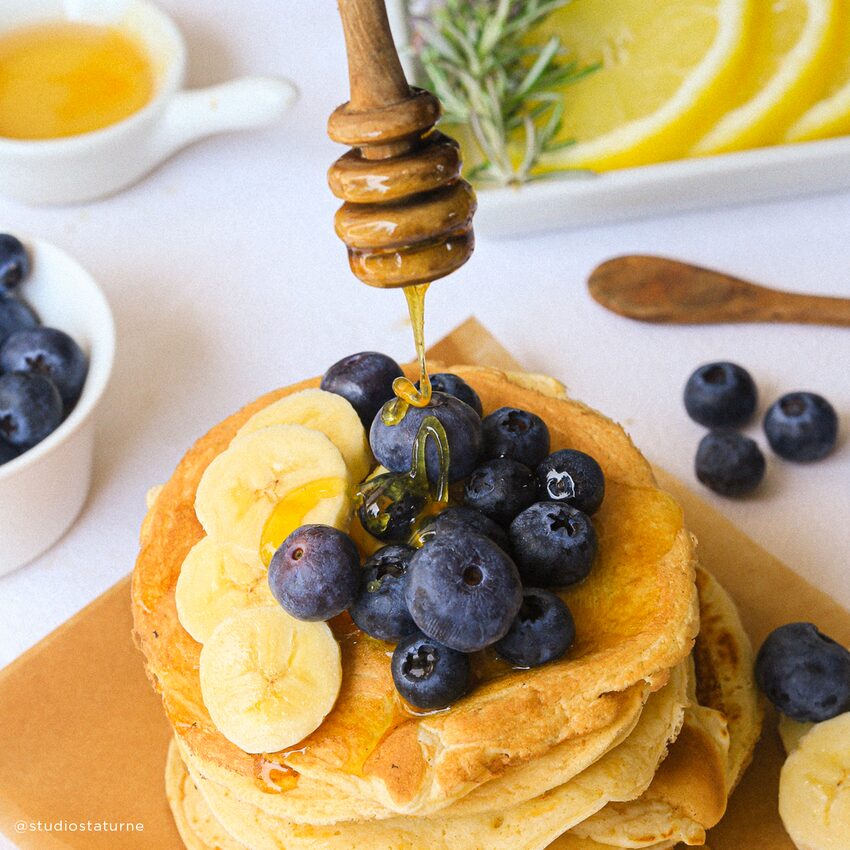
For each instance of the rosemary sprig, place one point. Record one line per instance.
(479, 64)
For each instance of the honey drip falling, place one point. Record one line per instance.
(405, 390)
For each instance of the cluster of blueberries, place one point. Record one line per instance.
(42, 370)
(484, 573)
(800, 426)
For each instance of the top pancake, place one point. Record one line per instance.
(636, 617)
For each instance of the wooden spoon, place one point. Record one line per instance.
(656, 289)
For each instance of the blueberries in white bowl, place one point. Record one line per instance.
(801, 426)
(428, 674)
(30, 409)
(48, 352)
(38, 365)
(463, 591)
(15, 263)
(720, 395)
(7, 452)
(555, 545)
(15, 315)
(804, 673)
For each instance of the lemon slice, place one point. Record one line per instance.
(831, 115)
(666, 75)
(788, 59)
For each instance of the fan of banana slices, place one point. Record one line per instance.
(267, 679)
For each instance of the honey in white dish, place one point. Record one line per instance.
(62, 79)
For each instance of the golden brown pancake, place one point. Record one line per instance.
(620, 774)
(636, 618)
(690, 791)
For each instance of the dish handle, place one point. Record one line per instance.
(241, 104)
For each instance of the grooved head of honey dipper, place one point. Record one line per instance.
(422, 263)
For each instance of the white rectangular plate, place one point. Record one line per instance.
(765, 174)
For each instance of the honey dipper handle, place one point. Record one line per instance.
(374, 69)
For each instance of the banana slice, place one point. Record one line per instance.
(240, 489)
(269, 680)
(216, 580)
(791, 732)
(814, 787)
(326, 412)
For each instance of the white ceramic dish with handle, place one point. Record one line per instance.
(93, 165)
(43, 490)
(765, 174)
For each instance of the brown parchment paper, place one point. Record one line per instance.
(83, 737)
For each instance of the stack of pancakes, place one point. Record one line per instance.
(635, 739)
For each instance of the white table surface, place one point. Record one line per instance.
(226, 280)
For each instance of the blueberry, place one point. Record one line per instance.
(429, 675)
(14, 262)
(464, 519)
(729, 463)
(501, 488)
(555, 544)
(7, 452)
(543, 630)
(389, 506)
(805, 674)
(380, 609)
(30, 409)
(720, 395)
(315, 574)
(801, 426)
(365, 380)
(446, 382)
(518, 434)
(48, 352)
(15, 315)
(463, 590)
(392, 445)
(572, 477)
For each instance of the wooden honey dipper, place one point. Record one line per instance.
(407, 216)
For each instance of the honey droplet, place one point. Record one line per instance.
(290, 511)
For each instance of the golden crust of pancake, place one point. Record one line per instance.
(621, 773)
(319, 804)
(690, 791)
(724, 657)
(636, 616)
(195, 822)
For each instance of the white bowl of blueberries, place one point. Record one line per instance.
(57, 342)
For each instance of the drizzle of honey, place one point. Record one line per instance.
(376, 495)
(61, 79)
(290, 511)
(361, 725)
(407, 395)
